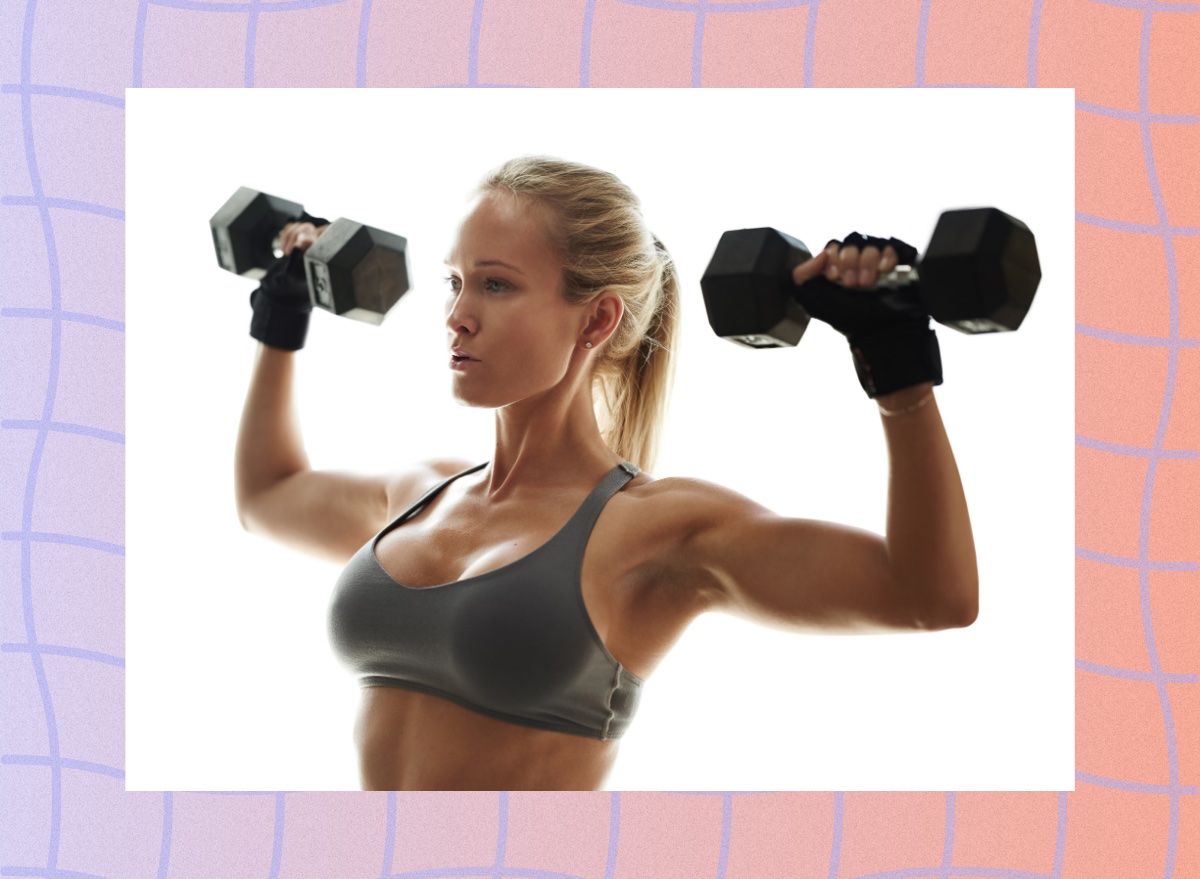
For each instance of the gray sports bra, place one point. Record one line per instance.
(515, 643)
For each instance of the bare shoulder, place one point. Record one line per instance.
(690, 504)
(403, 488)
(668, 518)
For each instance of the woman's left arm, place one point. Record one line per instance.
(804, 573)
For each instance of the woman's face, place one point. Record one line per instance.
(504, 305)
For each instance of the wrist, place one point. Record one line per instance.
(905, 401)
(897, 358)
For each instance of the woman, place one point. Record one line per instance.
(498, 647)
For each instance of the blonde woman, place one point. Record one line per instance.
(503, 616)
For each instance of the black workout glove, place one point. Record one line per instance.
(282, 304)
(888, 329)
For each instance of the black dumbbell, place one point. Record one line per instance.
(246, 231)
(978, 275)
(352, 269)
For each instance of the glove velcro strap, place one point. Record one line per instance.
(276, 324)
(306, 217)
(896, 358)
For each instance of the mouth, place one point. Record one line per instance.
(461, 361)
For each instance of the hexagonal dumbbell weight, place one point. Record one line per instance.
(979, 275)
(246, 231)
(353, 270)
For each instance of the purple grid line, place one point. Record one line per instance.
(277, 844)
(254, 7)
(614, 826)
(1137, 787)
(1060, 837)
(585, 44)
(62, 763)
(251, 41)
(835, 851)
(64, 427)
(726, 833)
(59, 650)
(473, 46)
(1130, 674)
(48, 874)
(1131, 339)
(58, 91)
(1035, 26)
(1164, 228)
(698, 42)
(389, 837)
(1136, 115)
(922, 34)
(1160, 208)
(1123, 562)
(364, 29)
(810, 40)
(931, 872)
(1148, 5)
(455, 872)
(164, 851)
(139, 42)
(705, 6)
(1136, 451)
(70, 316)
(69, 539)
(66, 204)
(948, 837)
(54, 757)
(501, 835)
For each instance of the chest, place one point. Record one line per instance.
(628, 593)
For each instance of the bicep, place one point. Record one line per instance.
(320, 512)
(331, 514)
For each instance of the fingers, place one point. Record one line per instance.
(809, 269)
(854, 269)
(301, 235)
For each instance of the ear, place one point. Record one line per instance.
(604, 315)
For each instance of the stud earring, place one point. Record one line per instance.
(587, 344)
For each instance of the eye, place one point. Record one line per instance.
(494, 285)
(452, 283)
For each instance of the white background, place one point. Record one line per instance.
(231, 683)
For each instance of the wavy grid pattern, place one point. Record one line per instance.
(63, 810)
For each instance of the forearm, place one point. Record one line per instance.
(930, 547)
(269, 446)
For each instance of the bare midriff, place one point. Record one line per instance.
(408, 740)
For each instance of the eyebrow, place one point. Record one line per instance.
(485, 263)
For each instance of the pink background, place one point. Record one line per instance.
(63, 71)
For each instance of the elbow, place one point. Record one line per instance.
(244, 517)
(954, 613)
(963, 616)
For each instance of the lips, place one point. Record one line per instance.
(460, 354)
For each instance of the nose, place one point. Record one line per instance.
(458, 319)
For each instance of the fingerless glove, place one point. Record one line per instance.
(282, 303)
(888, 329)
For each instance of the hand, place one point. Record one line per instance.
(302, 235)
(848, 267)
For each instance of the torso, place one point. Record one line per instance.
(638, 599)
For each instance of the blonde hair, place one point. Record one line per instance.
(604, 244)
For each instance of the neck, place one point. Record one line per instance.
(546, 441)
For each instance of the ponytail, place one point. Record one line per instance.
(604, 245)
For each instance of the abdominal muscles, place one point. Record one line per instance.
(408, 740)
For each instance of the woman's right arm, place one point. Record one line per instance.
(325, 513)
